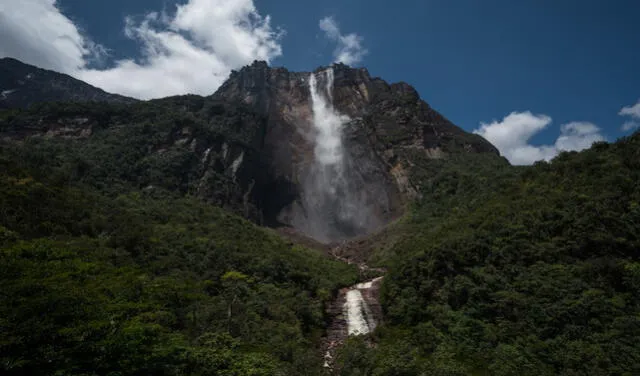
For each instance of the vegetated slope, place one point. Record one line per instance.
(22, 85)
(210, 149)
(518, 271)
(117, 259)
(103, 274)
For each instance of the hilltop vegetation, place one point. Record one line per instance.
(517, 271)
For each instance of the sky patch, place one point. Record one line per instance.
(349, 48)
(192, 50)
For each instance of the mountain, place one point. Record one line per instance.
(385, 127)
(121, 254)
(252, 145)
(125, 246)
(22, 85)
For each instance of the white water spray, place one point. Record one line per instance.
(354, 309)
(328, 201)
(327, 122)
(333, 204)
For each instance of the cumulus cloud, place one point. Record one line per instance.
(577, 136)
(349, 49)
(511, 136)
(191, 51)
(35, 31)
(633, 112)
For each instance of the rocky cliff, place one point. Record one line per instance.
(187, 145)
(252, 146)
(385, 124)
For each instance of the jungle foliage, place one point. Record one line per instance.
(111, 264)
(515, 271)
(102, 274)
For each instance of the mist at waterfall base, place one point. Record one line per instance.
(335, 207)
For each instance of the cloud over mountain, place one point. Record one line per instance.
(633, 113)
(512, 134)
(190, 51)
(349, 48)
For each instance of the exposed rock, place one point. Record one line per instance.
(208, 148)
(386, 120)
(250, 146)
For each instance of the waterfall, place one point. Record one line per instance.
(360, 318)
(331, 208)
(333, 204)
(327, 123)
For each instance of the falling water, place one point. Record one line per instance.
(358, 314)
(330, 200)
(328, 125)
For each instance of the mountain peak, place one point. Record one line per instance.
(383, 126)
(356, 94)
(22, 85)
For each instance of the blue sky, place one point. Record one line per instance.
(562, 68)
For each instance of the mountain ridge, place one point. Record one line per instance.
(22, 85)
(388, 127)
(269, 111)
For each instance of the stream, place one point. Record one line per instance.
(355, 312)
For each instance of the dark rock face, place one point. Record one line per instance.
(385, 120)
(22, 85)
(251, 146)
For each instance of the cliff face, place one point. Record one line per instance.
(252, 146)
(384, 122)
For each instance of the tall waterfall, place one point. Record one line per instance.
(328, 124)
(332, 207)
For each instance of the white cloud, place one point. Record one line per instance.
(36, 32)
(349, 49)
(630, 125)
(578, 136)
(634, 113)
(511, 136)
(191, 51)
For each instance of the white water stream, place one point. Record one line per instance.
(360, 319)
(356, 308)
(328, 124)
(358, 315)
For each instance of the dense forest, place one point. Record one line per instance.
(113, 264)
(105, 274)
(514, 270)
